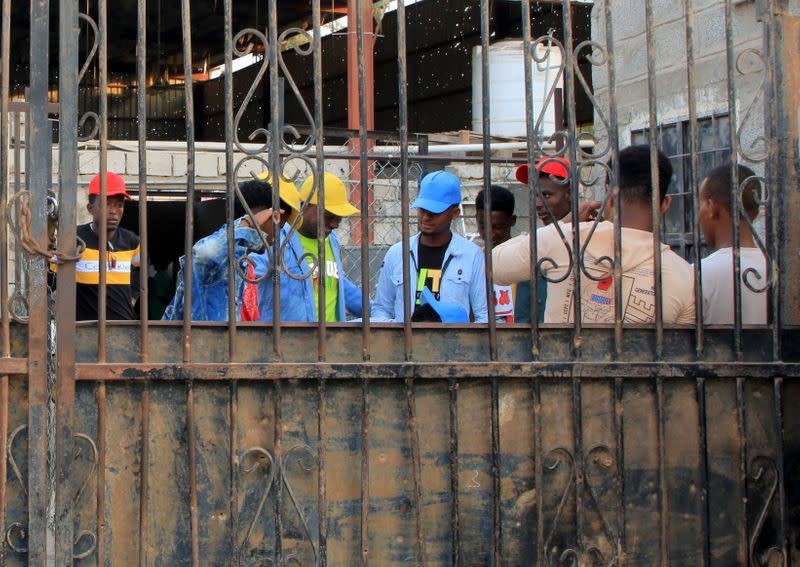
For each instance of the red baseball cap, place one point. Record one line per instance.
(554, 166)
(115, 185)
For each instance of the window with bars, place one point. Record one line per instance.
(674, 139)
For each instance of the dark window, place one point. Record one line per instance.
(674, 139)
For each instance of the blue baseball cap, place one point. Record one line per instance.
(438, 191)
(448, 312)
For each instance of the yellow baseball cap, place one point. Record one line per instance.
(336, 200)
(287, 192)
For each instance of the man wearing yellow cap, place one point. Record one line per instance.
(210, 256)
(341, 295)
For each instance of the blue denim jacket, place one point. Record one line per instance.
(293, 290)
(463, 283)
(210, 275)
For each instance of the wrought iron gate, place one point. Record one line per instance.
(374, 443)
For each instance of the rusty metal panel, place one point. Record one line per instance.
(14, 508)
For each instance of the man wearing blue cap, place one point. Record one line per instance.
(451, 267)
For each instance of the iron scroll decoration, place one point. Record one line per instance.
(85, 542)
(262, 155)
(274, 470)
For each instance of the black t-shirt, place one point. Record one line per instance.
(430, 269)
(122, 263)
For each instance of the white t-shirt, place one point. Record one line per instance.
(504, 303)
(511, 262)
(718, 306)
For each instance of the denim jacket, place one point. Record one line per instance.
(463, 282)
(210, 275)
(349, 296)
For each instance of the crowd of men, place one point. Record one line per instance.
(447, 275)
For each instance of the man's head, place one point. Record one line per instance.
(554, 188)
(437, 203)
(337, 205)
(635, 178)
(116, 194)
(715, 212)
(258, 196)
(502, 213)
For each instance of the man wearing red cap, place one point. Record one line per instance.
(122, 256)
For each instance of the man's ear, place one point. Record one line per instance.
(90, 207)
(666, 203)
(456, 212)
(513, 221)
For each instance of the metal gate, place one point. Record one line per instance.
(372, 443)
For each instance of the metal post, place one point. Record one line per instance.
(39, 147)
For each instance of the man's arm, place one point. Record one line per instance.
(353, 297)
(383, 306)
(477, 289)
(511, 260)
(210, 254)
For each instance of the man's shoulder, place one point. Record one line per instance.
(126, 239)
(466, 245)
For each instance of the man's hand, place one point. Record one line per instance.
(587, 211)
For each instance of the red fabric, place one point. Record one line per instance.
(250, 297)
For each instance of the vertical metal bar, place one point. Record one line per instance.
(613, 137)
(402, 110)
(497, 495)
(619, 412)
(322, 337)
(743, 549)
(654, 176)
(365, 327)
(364, 473)
(144, 476)
(538, 464)
(39, 143)
(663, 485)
(141, 110)
(278, 419)
(487, 182)
(186, 25)
(735, 214)
(694, 170)
(454, 470)
(101, 467)
(533, 177)
(5, 332)
(192, 443)
(188, 237)
(322, 450)
(322, 399)
(773, 210)
(364, 177)
(275, 163)
(704, 510)
(777, 400)
(580, 465)
(65, 307)
(574, 170)
(416, 462)
(141, 113)
(230, 190)
(497, 534)
(234, 464)
(102, 300)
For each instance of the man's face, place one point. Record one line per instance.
(309, 227)
(706, 216)
(557, 198)
(115, 207)
(434, 224)
(501, 225)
